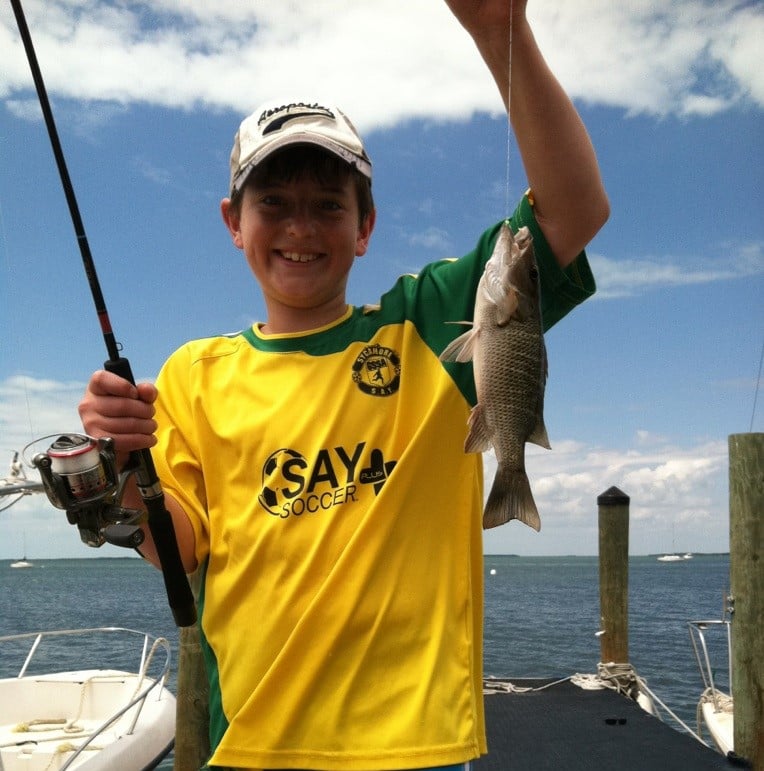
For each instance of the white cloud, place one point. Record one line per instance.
(31, 408)
(26, 109)
(627, 277)
(672, 488)
(686, 57)
(432, 238)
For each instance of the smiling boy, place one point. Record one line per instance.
(313, 463)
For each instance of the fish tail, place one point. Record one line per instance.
(511, 498)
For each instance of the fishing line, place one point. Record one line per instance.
(160, 524)
(509, 109)
(756, 390)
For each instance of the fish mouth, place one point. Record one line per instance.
(299, 257)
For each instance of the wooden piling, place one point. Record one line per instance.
(614, 576)
(192, 744)
(746, 496)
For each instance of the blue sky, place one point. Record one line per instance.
(647, 380)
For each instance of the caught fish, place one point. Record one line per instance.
(506, 346)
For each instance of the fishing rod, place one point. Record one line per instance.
(69, 456)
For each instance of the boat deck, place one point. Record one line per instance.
(566, 727)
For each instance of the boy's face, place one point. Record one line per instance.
(300, 238)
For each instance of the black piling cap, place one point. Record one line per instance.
(613, 497)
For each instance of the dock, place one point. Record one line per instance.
(548, 724)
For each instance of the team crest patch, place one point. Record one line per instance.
(377, 370)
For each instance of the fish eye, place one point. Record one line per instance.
(534, 274)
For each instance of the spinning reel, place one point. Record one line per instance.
(79, 474)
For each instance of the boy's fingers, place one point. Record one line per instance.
(147, 392)
(103, 383)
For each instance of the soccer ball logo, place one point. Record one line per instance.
(282, 480)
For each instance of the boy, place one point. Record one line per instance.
(313, 464)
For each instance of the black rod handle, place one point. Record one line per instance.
(179, 595)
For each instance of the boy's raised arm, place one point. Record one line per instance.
(570, 200)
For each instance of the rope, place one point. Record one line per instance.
(504, 686)
(68, 747)
(722, 701)
(44, 725)
(589, 682)
(608, 676)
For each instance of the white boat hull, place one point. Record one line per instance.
(86, 720)
(720, 724)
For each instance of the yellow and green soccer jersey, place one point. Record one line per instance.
(338, 524)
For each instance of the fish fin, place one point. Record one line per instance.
(505, 313)
(511, 498)
(462, 348)
(539, 435)
(478, 439)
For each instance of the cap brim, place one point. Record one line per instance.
(296, 138)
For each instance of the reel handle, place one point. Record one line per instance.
(179, 595)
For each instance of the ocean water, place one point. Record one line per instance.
(541, 613)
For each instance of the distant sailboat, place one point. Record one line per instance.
(23, 562)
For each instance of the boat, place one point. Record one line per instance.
(670, 558)
(715, 708)
(22, 563)
(85, 699)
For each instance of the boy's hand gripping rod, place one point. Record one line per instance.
(179, 594)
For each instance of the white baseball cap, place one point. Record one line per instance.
(278, 124)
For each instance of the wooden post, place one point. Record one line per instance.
(192, 721)
(746, 493)
(614, 576)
